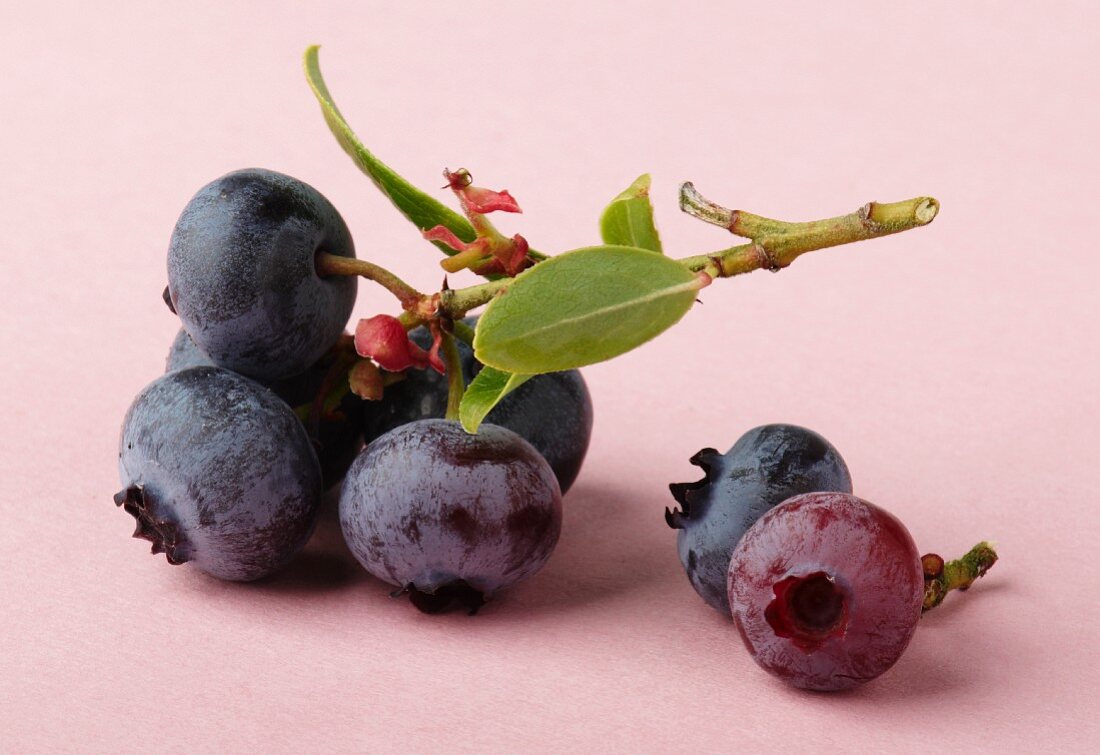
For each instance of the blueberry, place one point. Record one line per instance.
(184, 353)
(218, 472)
(826, 590)
(242, 274)
(552, 412)
(764, 467)
(450, 517)
(337, 437)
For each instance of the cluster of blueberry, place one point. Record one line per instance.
(224, 459)
(824, 587)
(267, 402)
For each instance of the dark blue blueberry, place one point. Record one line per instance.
(242, 274)
(765, 467)
(552, 412)
(218, 472)
(184, 353)
(337, 436)
(450, 517)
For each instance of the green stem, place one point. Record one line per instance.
(331, 264)
(456, 302)
(464, 332)
(462, 260)
(456, 387)
(410, 320)
(738, 222)
(941, 578)
(776, 244)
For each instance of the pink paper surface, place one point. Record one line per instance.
(956, 366)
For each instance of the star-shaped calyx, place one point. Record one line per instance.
(163, 534)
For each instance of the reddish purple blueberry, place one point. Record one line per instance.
(826, 590)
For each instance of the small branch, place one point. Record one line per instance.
(941, 578)
(698, 206)
(737, 222)
(456, 386)
(868, 222)
(331, 264)
(776, 244)
(455, 303)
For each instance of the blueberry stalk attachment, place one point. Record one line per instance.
(941, 578)
(456, 386)
(333, 264)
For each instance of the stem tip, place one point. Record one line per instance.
(927, 210)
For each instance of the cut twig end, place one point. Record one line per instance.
(698, 206)
(927, 210)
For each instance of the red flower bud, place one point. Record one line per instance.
(383, 339)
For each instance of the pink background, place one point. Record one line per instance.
(955, 366)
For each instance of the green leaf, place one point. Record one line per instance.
(628, 220)
(583, 307)
(487, 389)
(424, 211)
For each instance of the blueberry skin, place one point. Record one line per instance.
(242, 277)
(218, 472)
(766, 466)
(184, 353)
(338, 437)
(552, 412)
(448, 516)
